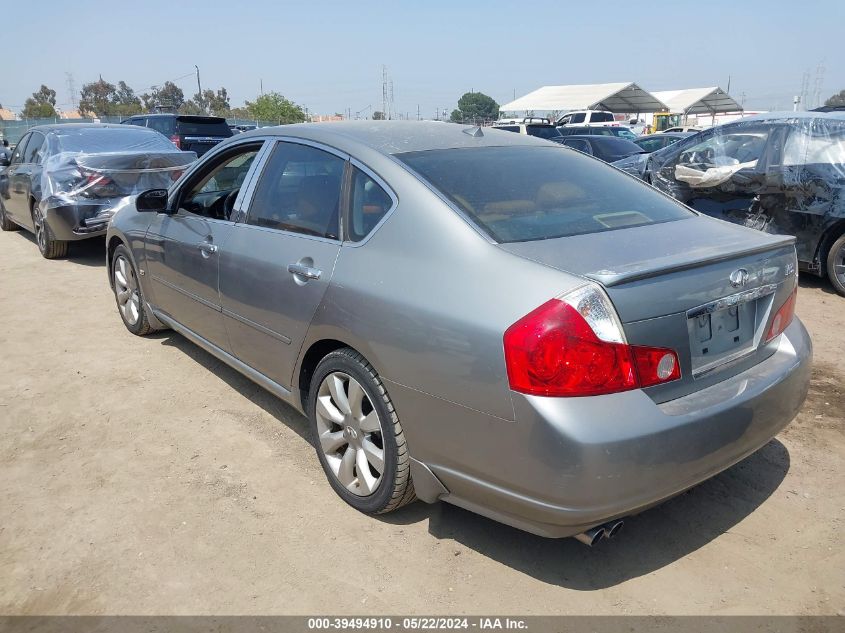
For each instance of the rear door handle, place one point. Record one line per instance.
(301, 270)
(207, 249)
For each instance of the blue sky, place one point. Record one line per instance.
(328, 55)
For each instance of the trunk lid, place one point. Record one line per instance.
(703, 287)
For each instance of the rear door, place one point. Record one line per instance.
(183, 249)
(279, 259)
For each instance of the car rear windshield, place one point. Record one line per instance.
(200, 126)
(543, 131)
(128, 138)
(518, 194)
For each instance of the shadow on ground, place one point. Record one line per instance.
(820, 283)
(648, 542)
(90, 252)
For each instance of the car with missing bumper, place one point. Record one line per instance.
(474, 316)
(64, 182)
(782, 173)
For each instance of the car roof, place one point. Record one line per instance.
(58, 127)
(396, 137)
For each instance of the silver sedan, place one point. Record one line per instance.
(474, 316)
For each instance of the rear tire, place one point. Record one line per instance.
(5, 223)
(836, 265)
(356, 432)
(50, 247)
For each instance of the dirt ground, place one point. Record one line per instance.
(142, 476)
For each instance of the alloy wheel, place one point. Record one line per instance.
(350, 433)
(40, 229)
(839, 264)
(126, 290)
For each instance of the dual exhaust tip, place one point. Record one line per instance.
(607, 530)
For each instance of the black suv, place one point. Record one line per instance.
(188, 132)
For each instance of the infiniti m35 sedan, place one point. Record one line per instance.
(474, 316)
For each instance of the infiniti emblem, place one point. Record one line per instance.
(739, 277)
(352, 433)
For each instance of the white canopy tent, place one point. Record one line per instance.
(626, 98)
(699, 101)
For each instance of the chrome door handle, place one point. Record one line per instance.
(304, 271)
(207, 249)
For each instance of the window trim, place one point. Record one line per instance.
(175, 197)
(353, 162)
(275, 141)
(20, 149)
(37, 151)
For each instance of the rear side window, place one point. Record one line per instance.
(542, 131)
(299, 191)
(524, 193)
(600, 117)
(370, 203)
(33, 148)
(165, 125)
(579, 144)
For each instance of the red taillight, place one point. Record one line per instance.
(655, 365)
(783, 317)
(554, 351)
(175, 140)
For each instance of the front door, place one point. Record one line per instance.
(278, 262)
(20, 174)
(183, 249)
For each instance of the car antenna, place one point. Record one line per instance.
(474, 132)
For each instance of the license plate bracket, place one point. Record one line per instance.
(727, 329)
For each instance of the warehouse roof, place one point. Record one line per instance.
(617, 97)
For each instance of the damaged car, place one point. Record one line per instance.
(65, 181)
(779, 173)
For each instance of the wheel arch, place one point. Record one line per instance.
(111, 247)
(316, 352)
(830, 235)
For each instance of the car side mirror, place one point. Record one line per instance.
(152, 200)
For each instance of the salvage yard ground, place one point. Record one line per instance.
(143, 476)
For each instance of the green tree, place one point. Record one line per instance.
(239, 113)
(475, 107)
(101, 98)
(274, 107)
(378, 115)
(168, 97)
(209, 102)
(837, 99)
(41, 105)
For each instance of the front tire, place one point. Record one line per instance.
(5, 223)
(836, 265)
(128, 293)
(50, 247)
(357, 434)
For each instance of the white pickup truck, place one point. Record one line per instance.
(587, 117)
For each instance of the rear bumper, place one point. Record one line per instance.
(568, 464)
(71, 220)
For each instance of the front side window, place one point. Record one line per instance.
(578, 117)
(527, 193)
(715, 160)
(212, 193)
(299, 191)
(370, 203)
(20, 148)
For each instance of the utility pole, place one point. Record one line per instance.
(199, 87)
(418, 112)
(384, 91)
(71, 88)
(261, 87)
(817, 88)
